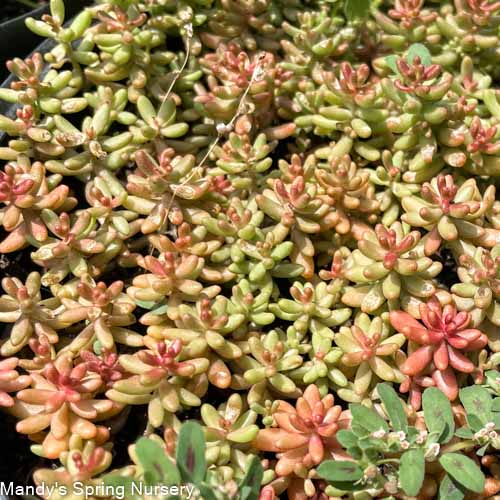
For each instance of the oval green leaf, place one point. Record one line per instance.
(412, 471)
(438, 414)
(393, 407)
(340, 470)
(464, 471)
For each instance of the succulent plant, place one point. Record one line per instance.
(369, 346)
(11, 381)
(443, 338)
(390, 261)
(227, 427)
(31, 316)
(303, 435)
(61, 398)
(241, 212)
(26, 191)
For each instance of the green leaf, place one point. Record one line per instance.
(393, 407)
(477, 401)
(207, 492)
(475, 423)
(438, 414)
(356, 9)
(367, 418)
(412, 471)
(369, 443)
(420, 50)
(158, 468)
(191, 452)
(493, 379)
(57, 10)
(464, 432)
(450, 490)
(97, 347)
(482, 450)
(250, 484)
(340, 470)
(347, 438)
(160, 310)
(391, 62)
(495, 405)
(146, 304)
(463, 470)
(116, 481)
(496, 420)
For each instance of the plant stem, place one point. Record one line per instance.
(388, 461)
(462, 445)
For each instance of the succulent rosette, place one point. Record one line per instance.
(444, 338)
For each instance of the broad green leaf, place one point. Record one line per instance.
(207, 492)
(119, 483)
(475, 423)
(438, 414)
(391, 62)
(496, 420)
(412, 471)
(463, 470)
(477, 401)
(367, 418)
(393, 407)
(191, 452)
(493, 378)
(420, 50)
(367, 443)
(464, 432)
(356, 9)
(250, 484)
(157, 466)
(340, 470)
(495, 405)
(347, 438)
(450, 490)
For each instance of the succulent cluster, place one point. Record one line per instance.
(267, 216)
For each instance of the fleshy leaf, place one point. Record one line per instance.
(356, 9)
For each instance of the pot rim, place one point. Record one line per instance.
(21, 18)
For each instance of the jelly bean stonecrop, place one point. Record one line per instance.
(252, 247)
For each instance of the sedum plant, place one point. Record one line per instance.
(276, 220)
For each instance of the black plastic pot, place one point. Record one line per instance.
(16, 40)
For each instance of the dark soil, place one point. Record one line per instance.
(10, 9)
